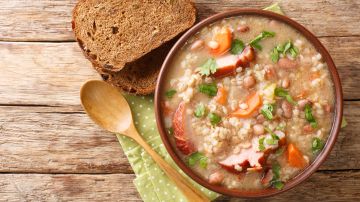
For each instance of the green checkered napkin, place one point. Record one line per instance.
(151, 182)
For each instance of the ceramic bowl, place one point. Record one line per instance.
(338, 109)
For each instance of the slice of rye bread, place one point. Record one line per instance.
(138, 77)
(113, 33)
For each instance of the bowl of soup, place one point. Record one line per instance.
(248, 103)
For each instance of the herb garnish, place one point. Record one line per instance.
(288, 47)
(281, 92)
(309, 116)
(209, 67)
(274, 138)
(280, 127)
(261, 144)
(214, 118)
(237, 46)
(275, 181)
(255, 42)
(267, 111)
(198, 157)
(170, 93)
(208, 89)
(317, 145)
(200, 110)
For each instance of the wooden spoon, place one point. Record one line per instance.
(108, 108)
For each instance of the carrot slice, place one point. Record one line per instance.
(253, 102)
(302, 94)
(224, 39)
(314, 75)
(295, 157)
(221, 96)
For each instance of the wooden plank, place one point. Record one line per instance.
(42, 73)
(64, 140)
(345, 153)
(36, 20)
(322, 186)
(56, 140)
(39, 187)
(53, 72)
(47, 20)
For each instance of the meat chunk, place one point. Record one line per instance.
(216, 178)
(247, 56)
(268, 175)
(226, 66)
(246, 158)
(181, 140)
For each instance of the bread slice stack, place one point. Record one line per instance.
(125, 40)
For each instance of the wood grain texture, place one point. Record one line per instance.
(322, 186)
(64, 140)
(51, 151)
(52, 73)
(39, 187)
(56, 140)
(49, 20)
(43, 73)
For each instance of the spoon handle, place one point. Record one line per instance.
(191, 193)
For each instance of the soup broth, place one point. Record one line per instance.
(248, 103)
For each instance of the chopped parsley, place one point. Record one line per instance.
(237, 46)
(198, 157)
(281, 92)
(275, 181)
(274, 138)
(267, 110)
(261, 144)
(287, 48)
(280, 127)
(170, 93)
(255, 42)
(200, 110)
(209, 67)
(317, 145)
(309, 116)
(208, 89)
(214, 118)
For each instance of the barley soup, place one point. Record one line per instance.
(249, 103)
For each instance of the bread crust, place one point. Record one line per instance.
(120, 73)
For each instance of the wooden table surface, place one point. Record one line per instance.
(51, 151)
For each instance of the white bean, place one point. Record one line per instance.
(197, 45)
(258, 129)
(213, 44)
(249, 81)
(285, 83)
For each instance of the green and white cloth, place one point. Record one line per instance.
(151, 182)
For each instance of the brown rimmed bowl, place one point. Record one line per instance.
(338, 109)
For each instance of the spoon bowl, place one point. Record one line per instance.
(106, 106)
